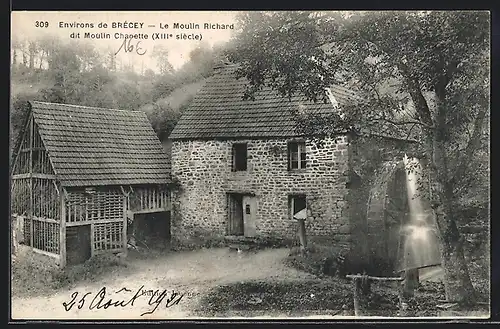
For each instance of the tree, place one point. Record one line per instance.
(15, 46)
(420, 73)
(64, 71)
(32, 49)
(163, 119)
(161, 55)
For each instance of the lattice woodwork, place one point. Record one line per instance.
(40, 158)
(20, 196)
(108, 236)
(45, 199)
(27, 230)
(22, 164)
(46, 236)
(150, 197)
(95, 206)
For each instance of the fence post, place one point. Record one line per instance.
(410, 282)
(302, 233)
(62, 230)
(13, 228)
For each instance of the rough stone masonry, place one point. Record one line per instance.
(203, 170)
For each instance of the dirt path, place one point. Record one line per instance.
(189, 273)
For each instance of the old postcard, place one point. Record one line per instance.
(291, 164)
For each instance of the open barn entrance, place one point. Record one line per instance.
(78, 244)
(151, 230)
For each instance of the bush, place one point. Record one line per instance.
(317, 259)
(320, 259)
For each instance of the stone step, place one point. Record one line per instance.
(242, 240)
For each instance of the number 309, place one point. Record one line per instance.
(41, 24)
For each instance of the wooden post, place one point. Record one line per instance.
(302, 233)
(30, 212)
(92, 248)
(357, 280)
(356, 294)
(62, 230)
(13, 229)
(402, 301)
(124, 232)
(411, 282)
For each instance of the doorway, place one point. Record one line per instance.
(78, 244)
(241, 215)
(151, 229)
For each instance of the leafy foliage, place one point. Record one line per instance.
(421, 76)
(48, 69)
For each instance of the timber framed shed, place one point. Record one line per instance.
(79, 174)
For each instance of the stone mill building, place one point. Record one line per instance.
(244, 170)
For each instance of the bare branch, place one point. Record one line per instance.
(409, 131)
(402, 123)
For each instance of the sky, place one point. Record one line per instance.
(30, 25)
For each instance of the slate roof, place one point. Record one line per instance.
(219, 111)
(91, 146)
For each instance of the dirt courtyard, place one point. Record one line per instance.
(189, 273)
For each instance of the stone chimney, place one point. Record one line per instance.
(221, 64)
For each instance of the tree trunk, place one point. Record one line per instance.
(457, 282)
(41, 59)
(458, 285)
(32, 52)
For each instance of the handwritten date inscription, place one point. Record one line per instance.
(102, 301)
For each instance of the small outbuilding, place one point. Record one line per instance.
(81, 174)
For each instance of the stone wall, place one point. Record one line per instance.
(203, 171)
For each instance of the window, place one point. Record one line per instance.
(298, 207)
(296, 155)
(240, 157)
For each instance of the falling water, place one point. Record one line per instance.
(419, 233)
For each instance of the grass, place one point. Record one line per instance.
(328, 293)
(287, 297)
(34, 274)
(321, 296)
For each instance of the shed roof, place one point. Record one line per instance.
(219, 110)
(90, 146)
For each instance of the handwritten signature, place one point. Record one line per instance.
(128, 47)
(101, 301)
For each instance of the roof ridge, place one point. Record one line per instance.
(80, 106)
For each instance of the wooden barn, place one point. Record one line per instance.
(81, 175)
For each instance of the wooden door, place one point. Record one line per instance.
(235, 215)
(249, 210)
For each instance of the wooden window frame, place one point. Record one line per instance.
(300, 155)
